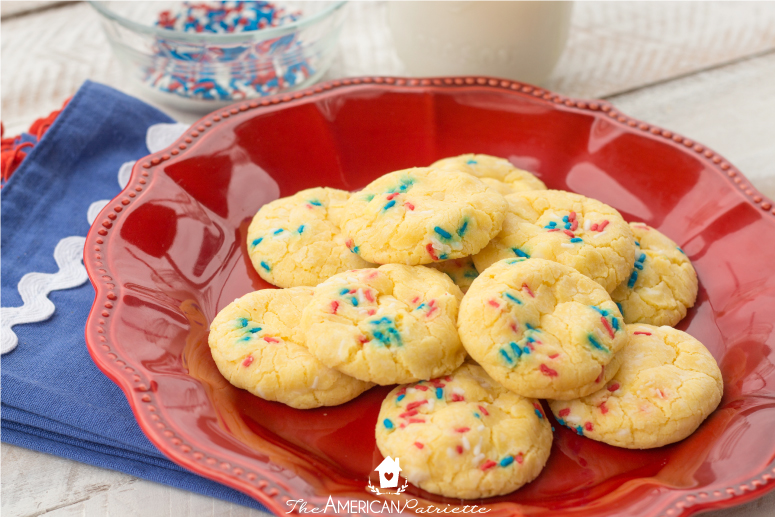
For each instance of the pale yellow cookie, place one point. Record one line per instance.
(258, 346)
(296, 241)
(574, 230)
(422, 215)
(541, 329)
(499, 173)
(464, 436)
(462, 271)
(387, 325)
(662, 284)
(667, 385)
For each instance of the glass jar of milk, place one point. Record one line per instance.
(513, 40)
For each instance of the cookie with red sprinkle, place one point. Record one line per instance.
(666, 387)
(258, 346)
(464, 435)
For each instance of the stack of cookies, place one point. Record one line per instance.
(564, 301)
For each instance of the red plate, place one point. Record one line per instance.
(169, 252)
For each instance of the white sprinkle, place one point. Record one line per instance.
(431, 404)
(478, 458)
(466, 444)
(458, 391)
(451, 452)
(315, 383)
(567, 245)
(480, 428)
(599, 234)
(409, 391)
(415, 477)
(478, 448)
(587, 224)
(573, 419)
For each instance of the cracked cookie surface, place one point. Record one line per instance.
(463, 435)
(388, 325)
(663, 283)
(422, 215)
(542, 329)
(496, 172)
(568, 228)
(295, 241)
(667, 386)
(462, 271)
(258, 346)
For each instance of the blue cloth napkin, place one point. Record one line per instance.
(54, 399)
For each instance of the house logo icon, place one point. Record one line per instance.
(388, 473)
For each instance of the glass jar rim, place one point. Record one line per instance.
(236, 37)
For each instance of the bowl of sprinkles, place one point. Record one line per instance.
(201, 56)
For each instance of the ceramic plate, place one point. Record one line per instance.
(169, 252)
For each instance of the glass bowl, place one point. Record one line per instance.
(204, 71)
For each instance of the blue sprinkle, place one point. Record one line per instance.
(615, 323)
(508, 460)
(355, 249)
(513, 298)
(637, 244)
(439, 393)
(633, 279)
(595, 343)
(477, 415)
(638, 265)
(577, 239)
(506, 356)
(420, 306)
(565, 219)
(265, 266)
(462, 229)
(540, 415)
(388, 423)
(246, 338)
(518, 252)
(258, 241)
(344, 291)
(567, 226)
(620, 307)
(552, 428)
(515, 348)
(254, 330)
(642, 257)
(529, 326)
(526, 350)
(444, 233)
(279, 230)
(443, 256)
(561, 422)
(400, 398)
(679, 249)
(471, 162)
(301, 228)
(602, 312)
(369, 197)
(355, 301)
(315, 202)
(471, 274)
(531, 340)
(243, 322)
(389, 204)
(552, 224)
(580, 431)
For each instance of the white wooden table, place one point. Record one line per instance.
(705, 70)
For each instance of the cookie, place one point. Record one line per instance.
(667, 385)
(389, 325)
(464, 436)
(422, 215)
(461, 271)
(574, 230)
(258, 346)
(496, 172)
(662, 284)
(295, 241)
(541, 329)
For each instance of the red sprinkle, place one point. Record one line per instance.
(494, 303)
(416, 420)
(554, 356)
(514, 327)
(369, 295)
(571, 216)
(548, 371)
(602, 225)
(437, 383)
(487, 465)
(600, 377)
(431, 251)
(457, 398)
(593, 228)
(613, 387)
(363, 339)
(310, 206)
(418, 445)
(271, 339)
(574, 225)
(372, 274)
(463, 429)
(459, 449)
(416, 404)
(569, 233)
(553, 230)
(402, 391)
(642, 333)
(371, 312)
(538, 408)
(349, 243)
(588, 426)
(248, 361)
(421, 388)
(607, 326)
(448, 378)
(529, 291)
(519, 458)
(391, 196)
(564, 412)
(409, 205)
(334, 307)
(407, 414)
(484, 411)
(603, 408)
(661, 394)
(415, 299)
